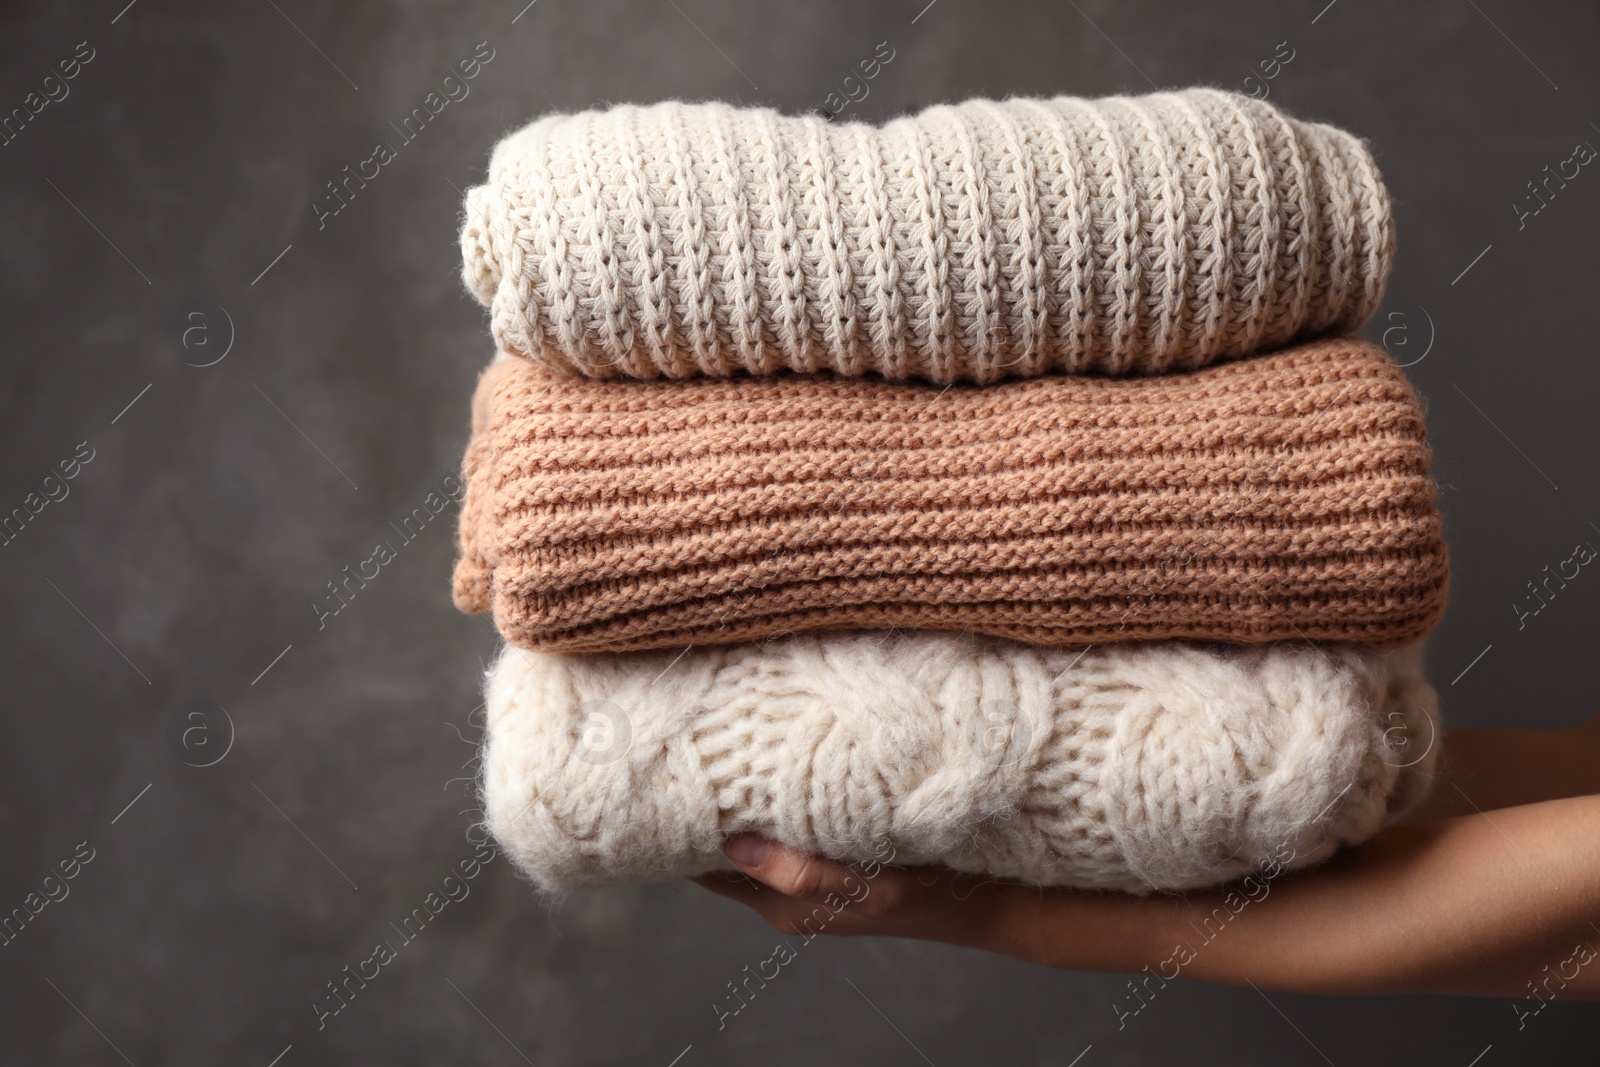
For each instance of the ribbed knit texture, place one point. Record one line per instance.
(1133, 767)
(1129, 235)
(1285, 497)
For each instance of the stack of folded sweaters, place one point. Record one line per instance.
(1002, 486)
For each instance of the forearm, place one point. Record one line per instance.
(1504, 901)
(1463, 905)
(1482, 770)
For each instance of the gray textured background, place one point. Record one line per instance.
(190, 549)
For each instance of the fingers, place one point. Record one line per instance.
(794, 874)
(794, 892)
(807, 895)
(787, 915)
(734, 886)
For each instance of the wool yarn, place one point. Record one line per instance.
(1279, 498)
(1166, 766)
(1126, 235)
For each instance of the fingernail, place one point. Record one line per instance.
(747, 850)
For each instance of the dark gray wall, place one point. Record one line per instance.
(190, 549)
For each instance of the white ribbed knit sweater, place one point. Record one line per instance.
(965, 243)
(1135, 767)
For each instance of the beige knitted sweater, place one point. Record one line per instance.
(1130, 235)
(1132, 766)
(1285, 497)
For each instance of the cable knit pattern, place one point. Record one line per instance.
(1285, 497)
(1129, 235)
(1133, 767)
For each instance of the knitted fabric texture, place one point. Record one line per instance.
(1280, 498)
(1129, 235)
(1132, 767)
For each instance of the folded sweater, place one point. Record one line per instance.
(1133, 767)
(1280, 498)
(1129, 235)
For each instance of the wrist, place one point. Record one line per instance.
(991, 920)
(1080, 929)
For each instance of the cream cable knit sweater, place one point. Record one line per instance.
(1129, 235)
(1134, 767)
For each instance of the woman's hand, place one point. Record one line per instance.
(1493, 888)
(1503, 904)
(803, 895)
(800, 894)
